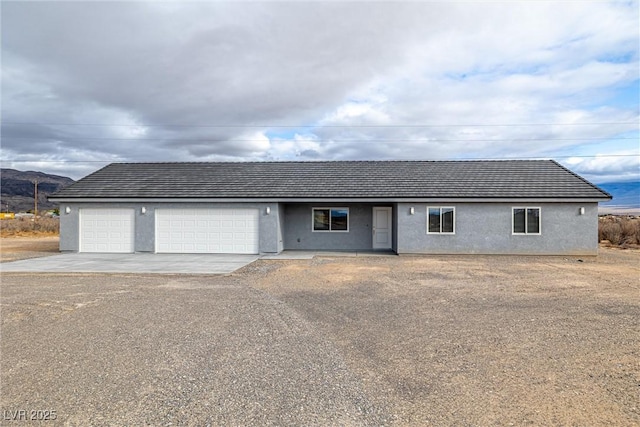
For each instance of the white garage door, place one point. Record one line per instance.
(223, 231)
(106, 230)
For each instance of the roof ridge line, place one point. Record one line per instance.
(333, 161)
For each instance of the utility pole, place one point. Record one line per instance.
(35, 198)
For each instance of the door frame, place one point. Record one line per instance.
(389, 209)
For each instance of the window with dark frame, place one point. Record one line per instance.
(526, 220)
(330, 219)
(441, 220)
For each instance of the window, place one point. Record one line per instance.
(526, 220)
(441, 220)
(330, 219)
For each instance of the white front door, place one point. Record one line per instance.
(382, 228)
(106, 230)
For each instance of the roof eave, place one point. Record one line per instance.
(328, 199)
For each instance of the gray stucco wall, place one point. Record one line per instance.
(481, 228)
(281, 227)
(69, 229)
(270, 240)
(485, 228)
(394, 228)
(298, 234)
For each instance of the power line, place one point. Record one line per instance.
(93, 138)
(317, 125)
(458, 158)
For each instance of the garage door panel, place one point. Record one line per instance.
(106, 230)
(207, 230)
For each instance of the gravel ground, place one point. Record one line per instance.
(331, 341)
(136, 350)
(17, 248)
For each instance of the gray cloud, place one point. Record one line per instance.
(211, 81)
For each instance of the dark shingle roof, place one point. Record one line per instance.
(544, 179)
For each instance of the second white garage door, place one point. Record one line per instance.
(222, 231)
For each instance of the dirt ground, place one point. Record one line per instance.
(16, 248)
(415, 340)
(481, 340)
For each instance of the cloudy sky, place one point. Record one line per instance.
(89, 83)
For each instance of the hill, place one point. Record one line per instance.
(17, 189)
(626, 197)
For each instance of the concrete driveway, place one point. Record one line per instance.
(132, 263)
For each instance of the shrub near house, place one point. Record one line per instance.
(619, 230)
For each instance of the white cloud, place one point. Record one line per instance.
(299, 146)
(609, 167)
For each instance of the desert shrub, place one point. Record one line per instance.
(630, 231)
(611, 231)
(619, 230)
(29, 226)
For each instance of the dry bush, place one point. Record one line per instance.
(29, 227)
(619, 230)
(610, 231)
(631, 231)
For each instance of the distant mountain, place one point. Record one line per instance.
(17, 189)
(626, 195)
